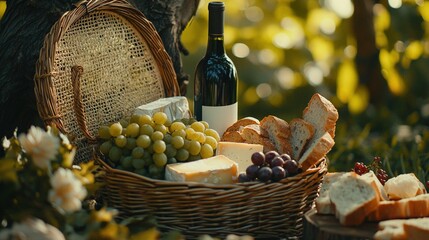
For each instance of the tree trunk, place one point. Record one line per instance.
(22, 31)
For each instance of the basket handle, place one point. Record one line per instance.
(76, 73)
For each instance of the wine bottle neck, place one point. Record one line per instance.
(215, 45)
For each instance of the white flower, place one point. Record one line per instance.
(67, 191)
(40, 145)
(31, 228)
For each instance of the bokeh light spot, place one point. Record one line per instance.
(240, 50)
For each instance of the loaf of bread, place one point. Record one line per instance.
(252, 134)
(278, 131)
(316, 151)
(232, 136)
(413, 207)
(301, 133)
(353, 198)
(242, 122)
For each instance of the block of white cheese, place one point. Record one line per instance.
(217, 170)
(174, 107)
(240, 153)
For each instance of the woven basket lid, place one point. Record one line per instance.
(99, 62)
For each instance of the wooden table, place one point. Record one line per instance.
(327, 227)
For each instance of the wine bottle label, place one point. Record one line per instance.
(220, 118)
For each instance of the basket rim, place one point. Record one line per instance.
(43, 85)
(319, 167)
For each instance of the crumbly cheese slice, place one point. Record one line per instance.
(240, 153)
(217, 170)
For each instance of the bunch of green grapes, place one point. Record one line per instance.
(146, 144)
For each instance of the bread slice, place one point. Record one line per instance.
(316, 151)
(370, 176)
(404, 186)
(252, 134)
(278, 131)
(301, 133)
(323, 202)
(353, 198)
(232, 136)
(413, 207)
(417, 229)
(322, 114)
(391, 230)
(242, 123)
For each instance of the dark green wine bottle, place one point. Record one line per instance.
(216, 80)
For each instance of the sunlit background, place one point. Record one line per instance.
(286, 50)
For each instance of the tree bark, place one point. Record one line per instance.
(22, 31)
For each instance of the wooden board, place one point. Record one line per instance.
(327, 227)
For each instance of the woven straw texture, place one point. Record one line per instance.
(99, 62)
(263, 210)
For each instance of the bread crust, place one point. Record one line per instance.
(298, 140)
(417, 231)
(252, 134)
(232, 136)
(278, 131)
(329, 109)
(400, 209)
(242, 123)
(316, 151)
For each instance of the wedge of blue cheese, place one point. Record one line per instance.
(217, 170)
(174, 107)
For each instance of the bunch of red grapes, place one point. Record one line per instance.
(360, 168)
(270, 166)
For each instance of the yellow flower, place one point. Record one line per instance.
(41, 146)
(32, 228)
(67, 191)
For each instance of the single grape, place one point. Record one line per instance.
(190, 133)
(360, 168)
(201, 137)
(182, 155)
(278, 173)
(171, 160)
(148, 161)
(212, 133)
(264, 174)
(115, 153)
(252, 172)
(126, 162)
(105, 147)
(170, 151)
(177, 142)
(167, 123)
(159, 146)
(258, 158)
(145, 119)
(167, 138)
(146, 129)
(211, 141)
(115, 129)
(137, 152)
(285, 157)
(192, 120)
(159, 118)
(206, 124)
(135, 118)
(194, 147)
(175, 126)
(143, 141)
(198, 127)
(277, 161)
(161, 128)
(132, 130)
(142, 172)
(187, 144)
(180, 133)
(157, 135)
(121, 141)
(124, 122)
(185, 121)
(291, 166)
(269, 156)
(206, 151)
(138, 163)
(242, 177)
(193, 158)
(103, 133)
(154, 170)
(160, 159)
(131, 143)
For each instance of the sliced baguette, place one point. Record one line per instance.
(278, 131)
(232, 136)
(322, 114)
(301, 133)
(353, 198)
(413, 207)
(242, 123)
(316, 151)
(323, 202)
(391, 230)
(404, 186)
(252, 134)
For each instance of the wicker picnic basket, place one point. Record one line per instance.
(262, 210)
(99, 62)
